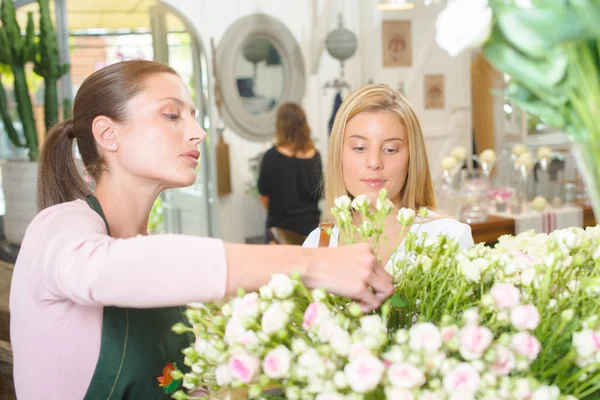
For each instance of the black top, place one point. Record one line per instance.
(293, 186)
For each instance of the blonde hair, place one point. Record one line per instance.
(417, 191)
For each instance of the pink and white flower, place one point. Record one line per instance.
(364, 374)
(526, 345)
(505, 295)
(234, 330)
(223, 375)
(504, 362)
(277, 362)
(244, 367)
(359, 350)
(587, 342)
(463, 379)
(474, 341)
(315, 313)
(398, 394)
(281, 285)
(340, 341)
(449, 333)
(424, 336)
(248, 338)
(330, 396)
(247, 306)
(525, 317)
(405, 376)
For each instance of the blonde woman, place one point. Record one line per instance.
(377, 143)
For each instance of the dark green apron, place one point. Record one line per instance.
(136, 345)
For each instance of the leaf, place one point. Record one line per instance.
(398, 301)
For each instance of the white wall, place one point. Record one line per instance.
(241, 216)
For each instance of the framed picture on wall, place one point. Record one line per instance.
(434, 91)
(396, 43)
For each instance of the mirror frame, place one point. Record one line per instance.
(234, 113)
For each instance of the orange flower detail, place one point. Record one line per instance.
(166, 379)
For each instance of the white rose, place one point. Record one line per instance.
(527, 276)
(424, 336)
(587, 342)
(277, 362)
(519, 149)
(462, 379)
(405, 216)
(463, 24)
(544, 152)
(266, 293)
(372, 325)
(274, 319)
(449, 163)
(342, 202)
(281, 285)
(398, 394)
(525, 317)
(361, 202)
(545, 392)
(488, 156)
(405, 376)
(326, 330)
(330, 396)
(223, 375)
(299, 346)
(364, 374)
(234, 330)
(525, 160)
(385, 206)
(458, 152)
(247, 306)
(471, 269)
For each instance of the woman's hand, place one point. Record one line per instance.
(350, 271)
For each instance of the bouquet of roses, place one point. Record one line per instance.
(519, 321)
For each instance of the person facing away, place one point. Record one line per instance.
(377, 143)
(291, 173)
(93, 298)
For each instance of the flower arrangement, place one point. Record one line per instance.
(517, 321)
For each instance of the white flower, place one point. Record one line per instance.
(342, 202)
(310, 363)
(247, 306)
(586, 342)
(526, 345)
(463, 24)
(449, 163)
(358, 350)
(244, 367)
(463, 379)
(326, 330)
(522, 389)
(504, 361)
(525, 317)
(472, 269)
(471, 316)
(405, 376)
(458, 152)
(315, 313)
(525, 160)
(424, 336)
(223, 375)
(405, 216)
(277, 362)
(428, 395)
(330, 396)
(361, 202)
(299, 346)
(488, 156)
(519, 149)
(449, 333)
(505, 295)
(372, 325)
(364, 374)
(539, 203)
(527, 276)
(339, 380)
(234, 330)
(384, 206)
(340, 341)
(248, 339)
(545, 392)
(398, 394)
(474, 341)
(274, 319)
(266, 293)
(281, 285)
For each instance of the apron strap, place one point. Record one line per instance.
(95, 205)
(325, 237)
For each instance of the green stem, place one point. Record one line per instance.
(25, 109)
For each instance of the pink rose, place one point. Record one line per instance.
(504, 362)
(405, 376)
(505, 295)
(247, 306)
(248, 338)
(525, 317)
(314, 314)
(358, 351)
(424, 336)
(364, 374)
(462, 378)
(449, 333)
(474, 341)
(277, 362)
(526, 345)
(244, 367)
(587, 342)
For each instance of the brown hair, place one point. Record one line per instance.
(106, 92)
(418, 188)
(292, 129)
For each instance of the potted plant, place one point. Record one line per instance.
(17, 51)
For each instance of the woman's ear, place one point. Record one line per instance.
(103, 129)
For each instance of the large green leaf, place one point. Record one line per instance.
(544, 73)
(523, 99)
(589, 13)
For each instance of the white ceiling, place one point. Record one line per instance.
(105, 14)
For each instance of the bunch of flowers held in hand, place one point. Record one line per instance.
(517, 321)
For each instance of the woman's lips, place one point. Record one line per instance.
(192, 156)
(375, 183)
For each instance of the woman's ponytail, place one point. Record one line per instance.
(59, 179)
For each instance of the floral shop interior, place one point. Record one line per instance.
(469, 123)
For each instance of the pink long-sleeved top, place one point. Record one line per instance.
(68, 269)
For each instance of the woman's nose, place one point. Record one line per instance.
(196, 134)
(374, 160)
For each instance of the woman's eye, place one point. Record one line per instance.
(172, 117)
(391, 150)
(358, 148)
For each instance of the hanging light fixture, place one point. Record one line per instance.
(387, 5)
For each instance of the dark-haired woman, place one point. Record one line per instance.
(93, 298)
